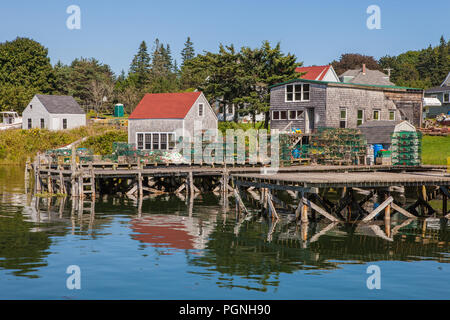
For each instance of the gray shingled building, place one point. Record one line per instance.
(442, 93)
(309, 104)
(53, 113)
(365, 76)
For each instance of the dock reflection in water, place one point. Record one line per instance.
(218, 250)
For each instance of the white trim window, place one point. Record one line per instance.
(30, 123)
(201, 109)
(155, 140)
(280, 115)
(64, 124)
(446, 97)
(343, 118)
(359, 117)
(376, 114)
(297, 92)
(295, 114)
(392, 115)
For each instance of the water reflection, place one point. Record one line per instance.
(249, 252)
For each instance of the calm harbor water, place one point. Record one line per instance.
(175, 249)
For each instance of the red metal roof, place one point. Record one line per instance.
(313, 73)
(165, 105)
(163, 231)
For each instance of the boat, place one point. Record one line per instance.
(11, 120)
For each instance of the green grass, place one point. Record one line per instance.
(435, 150)
(18, 145)
(224, 126)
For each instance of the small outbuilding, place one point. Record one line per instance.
(160, 118)
(380, 132)
(53, 113)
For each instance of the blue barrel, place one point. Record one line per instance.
(376, 148)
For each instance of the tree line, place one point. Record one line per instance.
(423, 68)
(230, 76)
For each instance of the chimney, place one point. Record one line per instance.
(364, 68)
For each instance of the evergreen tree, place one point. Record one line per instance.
(188, 51)
(159, 60)
(140, 66)
(443, 66)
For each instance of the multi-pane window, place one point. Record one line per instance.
(155, 141)
(64, 123)
(359, 117)
(275, 115)
(163, 141)
(376, 115)
(42, 123)
(171, 141)
(140, 141)
(30, 123)
(200, 109)
(446, 97)
(305, 92)
(297, 92)
(295, 114)
(391, 115)
(283, 115)
(343, 118)
(148, 141)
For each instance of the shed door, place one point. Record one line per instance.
(55, 124)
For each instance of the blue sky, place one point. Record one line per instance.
(315, 31)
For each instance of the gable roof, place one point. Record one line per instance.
(378, 131)
(370, 77)
(438, 89)
(313, 72)
(165, 105)
(344, 85)
(446, 82)
(60, 104)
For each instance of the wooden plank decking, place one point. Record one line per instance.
(349, 179)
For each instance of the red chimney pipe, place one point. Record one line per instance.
(364, 68)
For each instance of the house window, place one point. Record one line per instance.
(163, 141)
(200, 109)
(343, 118)
(30, 124)
(140, 141)
(171, 141)
(275, 115)
(230, 109)
(360, 117)
(155, 141)
(64, 123)
(283, 115)
(446, 97)
(148, 141)
(295, 114)
(376, 114)
(305, 92)
(297, 92)
(42, 123)
(392, 115)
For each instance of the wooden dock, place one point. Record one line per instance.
(87, 180)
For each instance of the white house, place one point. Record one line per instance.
(160, 118)
(53, 113)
